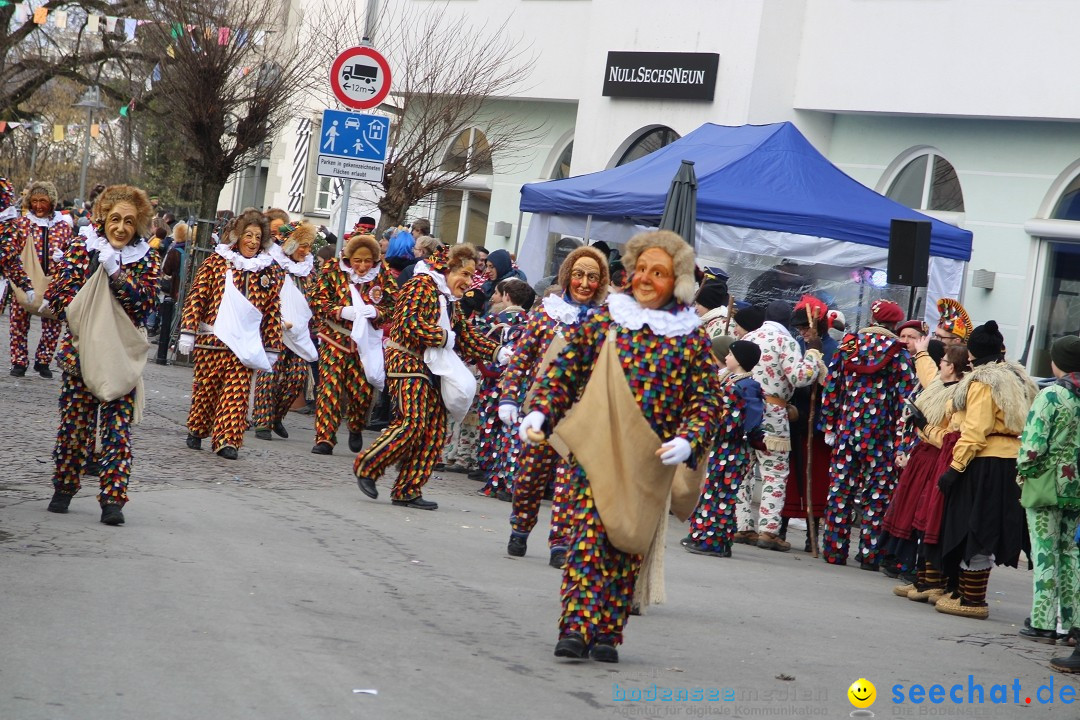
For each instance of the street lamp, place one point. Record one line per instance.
(91, 100)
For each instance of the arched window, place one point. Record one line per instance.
(927, 182)
(649, 142)
(562, 165)
(461, 213)
(1068, 205)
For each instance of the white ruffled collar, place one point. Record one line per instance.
(358, 279)
(57, 217)
(299, 269)
(9, 213)
(253, 264)
(625, 311)
(421, 268)
(557, 308)
(128, 254)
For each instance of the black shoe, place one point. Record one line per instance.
(572, 646)
(159, 361)
(308, 409)
(1069, 664)
(688, 540)
(228, 452)
(91, 468)
(280, 430)
(377, 425)
(478, 475)
(195, 443)
(43, 370)
(516, 546)
(417, 502)
(356, 441)
(322, 449)
(907, 578)
(699, 549)
(603, 650)
(872, 567)
(111, 514)
(1047, 637)
(18, 370)
(367, 485)
(889, 571)
(504, 495)
(263, 434)
(558, 558)
(59, 502)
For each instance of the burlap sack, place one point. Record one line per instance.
(112, 351)
(686, 490)
(38, 280)
(616, 446)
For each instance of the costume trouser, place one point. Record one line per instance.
(507, 448)
(713, 523)
(75, 439)
(774, 466)
(413, 440)
(219, 397)
(1056, 580)
(598, 581)
(343, 388)
(20, 328)
(868, 479)
(487, 446)
(275, 391)
(537, 466)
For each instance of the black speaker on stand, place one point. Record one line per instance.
(909, 256)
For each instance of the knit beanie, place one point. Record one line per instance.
(778, 311)
(985, 341)
(936, 350)
(1066, 353)
(750, 319)
(747, 353)
(713, 294)
(720, 346)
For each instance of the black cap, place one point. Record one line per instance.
(747, 353)
(713, 294)
(750, 319)
(986, 341)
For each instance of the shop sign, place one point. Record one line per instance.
(666, 75)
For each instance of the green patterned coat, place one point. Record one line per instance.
(1050, 441)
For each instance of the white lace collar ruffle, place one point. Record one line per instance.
(299, 269)
(358, 279)
(557, 308)
(57, 217)
(421, 268)
(10, 213)
(625, 311)
(253, 264)
(130, 253)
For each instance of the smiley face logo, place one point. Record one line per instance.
(862, 693)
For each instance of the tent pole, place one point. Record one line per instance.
(588, 226)
(517, 239)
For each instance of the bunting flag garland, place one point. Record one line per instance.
(95, 130)
(60, 18)
(92, 23)
(3, 123)
(41, 14)
(58, 133)
(110, 23)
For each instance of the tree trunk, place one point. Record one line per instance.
(391, 214)
(208, 200)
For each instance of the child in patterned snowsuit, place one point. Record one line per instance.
(122, 213)
(219, 395)
(864, 401)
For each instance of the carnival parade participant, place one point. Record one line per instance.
(713, 525)
(583, 276)
(231, 324)
(642, 360)
(47, 232)
(10, 265)
(781, 369)
(426, 321)
(983, 522)
(353, 299)
(712, 304)
(276, 391)
(864, 400)
(954, 325)
(96, 361)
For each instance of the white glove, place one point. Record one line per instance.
(44, 307)
(348, 313)
(272, 357)
(57, 255)
(505, 353)
(533, 421)
(108, 257)
(451, 337)
(508, 413)
(366, 311)
(185, 344)
(830, 439)
(676, 450)
(30, 296)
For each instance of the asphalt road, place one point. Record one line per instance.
(270, 588)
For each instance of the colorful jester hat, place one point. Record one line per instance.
(954, 318)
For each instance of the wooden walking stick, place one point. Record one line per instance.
(811, 531)
(730, 312)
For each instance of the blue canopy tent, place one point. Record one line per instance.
(763, 190)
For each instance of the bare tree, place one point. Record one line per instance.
(448, 75)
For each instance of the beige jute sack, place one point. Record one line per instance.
(112, 351)
(616, 446)
(38, 280)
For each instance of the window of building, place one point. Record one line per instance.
(324, 194)
(650, 142)
(1059, 304)
(461, 213)
(927, 182)
(561, 170)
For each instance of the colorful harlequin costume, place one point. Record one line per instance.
(414, 438)
(134, 285)
(10, 266)
(275, 391)
(219, 395)
(51, 237)
(540, 466)
(498, 448)
(864, 399)
(344, 386)
(650, 369)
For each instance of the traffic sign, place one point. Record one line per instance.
(360, 78)
(353, 145)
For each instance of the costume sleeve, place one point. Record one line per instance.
(135, 287)
(902, 384)
(1035, 440)
(800, 370)
(198, 298)
(321, 294)
(702, 409)
(10, 265)
(472, 345)
(925, 368)
(528, 351)
(69, 279)
(271, 330)
(977, 425)
(384, 309)
(571, 369)
(832, 400)
(416, 314)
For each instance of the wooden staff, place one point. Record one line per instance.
(730, 312)
(810, 530)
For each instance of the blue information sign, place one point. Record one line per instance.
(354, 136)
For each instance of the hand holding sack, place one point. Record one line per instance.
(39, 283)
(675, 451)
(237, 325)
(185, 344)
(531, 430)
(295, 316)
